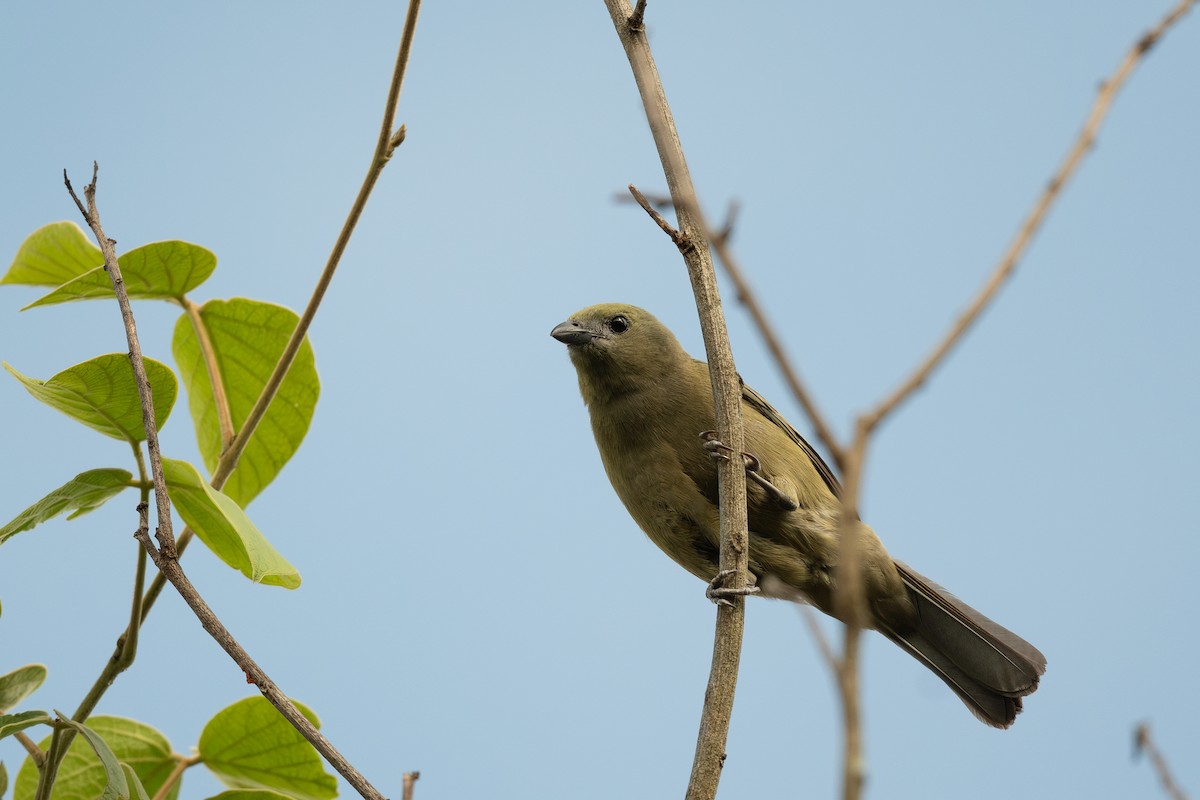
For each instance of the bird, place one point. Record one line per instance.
(651, 411)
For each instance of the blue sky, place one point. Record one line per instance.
(477, 604)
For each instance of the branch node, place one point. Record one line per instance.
(637, 20)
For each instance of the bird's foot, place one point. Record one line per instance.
(719, 450)
(719, 593)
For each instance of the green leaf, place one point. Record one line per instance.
(11, 723)
(81, 776)
(249, 794)
(249, 745)
(53, 254)
(102, 394)
(115, 785)
(86, 492)
(247, 338)
(224, 527)
(155, 271)
(19, 684)
(136, 790)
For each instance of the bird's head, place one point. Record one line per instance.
(617, 348)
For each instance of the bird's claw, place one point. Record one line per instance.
(718, 449)
(719, 593)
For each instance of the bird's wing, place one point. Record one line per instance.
(759, 404)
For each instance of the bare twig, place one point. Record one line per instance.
(823, 646)
(408, 779)
(718, 699)
(1142, 743)
(658, 218)
(720, 243)
(181, 763)
(385, 146)
(166, 539)
(849, 601)
(174, 573)
(1008, 262)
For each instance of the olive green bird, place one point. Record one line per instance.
(652, 413)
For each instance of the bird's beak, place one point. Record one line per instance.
(573, 333)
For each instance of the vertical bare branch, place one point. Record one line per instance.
(166, 538)
(718, 701)
(409, 782)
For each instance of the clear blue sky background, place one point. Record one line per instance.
(476, 604)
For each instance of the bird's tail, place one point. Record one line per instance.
(989, 667)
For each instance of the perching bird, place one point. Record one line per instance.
(650, 402)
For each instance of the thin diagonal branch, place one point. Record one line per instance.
(1033, 222)
(745, 295)
(386, 145)
(1142, 743)
(727, 641)
(174, 573)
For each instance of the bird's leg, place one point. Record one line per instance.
(718, 449)
(718, 592)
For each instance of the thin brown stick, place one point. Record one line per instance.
(823, 646)
(166, 538)
(181, 763)
(745, 295)
(1008, 262)
(727, 641)
(220, 396)
(384, 148)
(254, 674)
(849, 601)
(1142, 743)
(408, 781)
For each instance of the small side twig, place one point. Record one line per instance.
(1142, 743)
(181, 764)
(746, 296)
(408, 781)
(734, 546)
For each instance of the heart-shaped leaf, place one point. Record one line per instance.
(155, 271)
(249, 745)
(102, 394)
(86, 492)
(81, 775)
(53, 255)
(19, 684)
(247, 337)
(224, 527)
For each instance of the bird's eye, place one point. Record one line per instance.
(618, 324)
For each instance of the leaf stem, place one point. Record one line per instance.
(220, 397)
